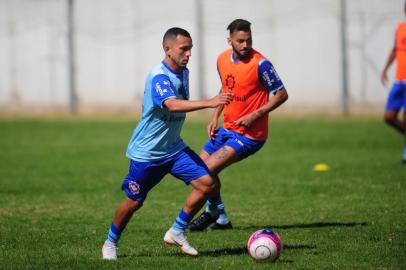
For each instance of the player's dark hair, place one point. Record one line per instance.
(239, 25)
(173, 32)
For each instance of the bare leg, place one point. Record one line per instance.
(124, 212)
(404, 145)
(216, 162)
(404, 125)
(202, 188)
(219, 160)
(391, 118)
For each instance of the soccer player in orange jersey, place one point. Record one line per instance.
(397, 95)
(256, 91)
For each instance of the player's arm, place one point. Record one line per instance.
(213, 124)
(274, 102)
(391, 58)
(271, 81)
(181, 105)
(163, 96)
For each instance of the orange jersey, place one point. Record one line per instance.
(248, 94)
(401, 52)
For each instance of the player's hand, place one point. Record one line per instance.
(212, 129)
(220, 99)
(245, 121)
(384, 78)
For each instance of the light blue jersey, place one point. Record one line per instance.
(157, 135)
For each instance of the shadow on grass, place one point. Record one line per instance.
(243, 250)
(310, 225)
(224, 252)
(209, 253)
(218, 252)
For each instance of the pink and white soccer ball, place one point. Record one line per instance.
(264, 244)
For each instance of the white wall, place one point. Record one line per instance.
(117, 42)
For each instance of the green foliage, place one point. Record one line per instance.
(60, 184)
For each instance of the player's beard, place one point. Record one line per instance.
(181, 63)
(242, 54)
(184, 62)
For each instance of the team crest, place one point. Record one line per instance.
(230, 82)
(134, 187)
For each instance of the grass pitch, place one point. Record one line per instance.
(60, 184)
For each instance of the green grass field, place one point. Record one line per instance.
(60, 184)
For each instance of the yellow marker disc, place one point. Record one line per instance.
(321, 167)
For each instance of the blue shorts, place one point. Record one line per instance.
(241, 144)
(397, 96)
(142, 176)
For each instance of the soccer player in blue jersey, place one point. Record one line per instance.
(257, 90)
(156, 148)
